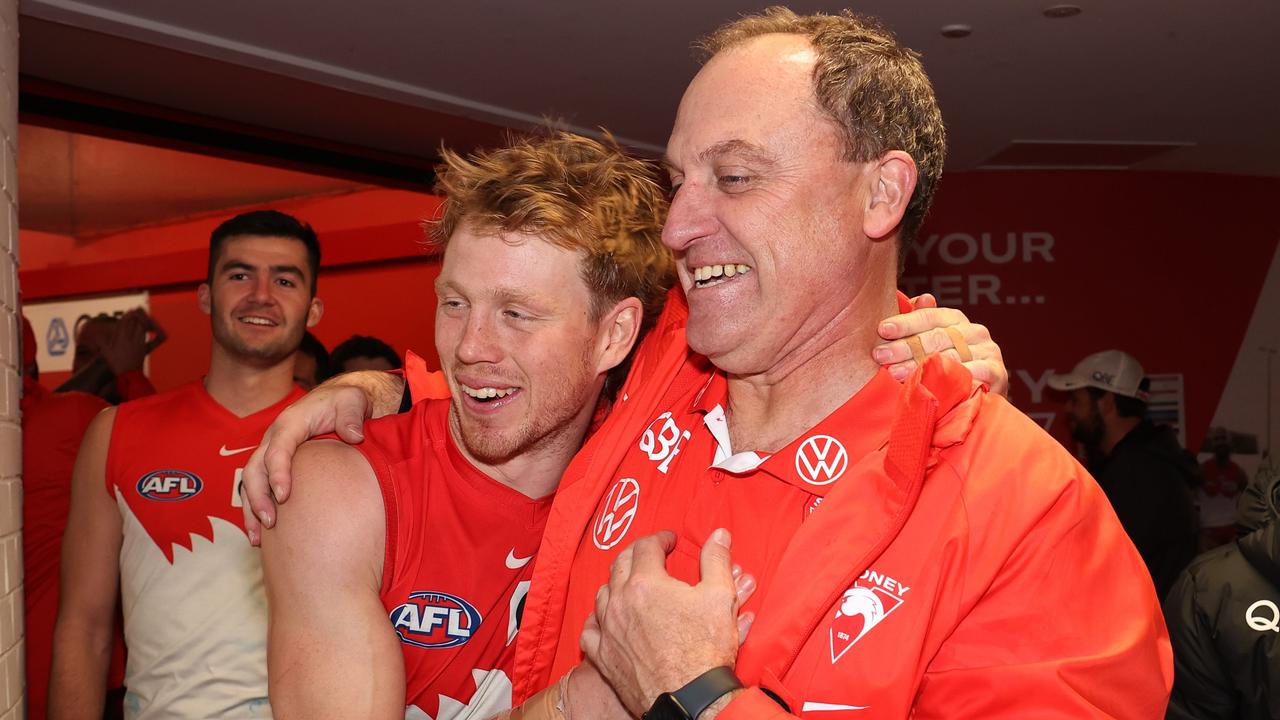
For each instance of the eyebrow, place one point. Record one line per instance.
(503, 294)
(746, 150)
(278, 269)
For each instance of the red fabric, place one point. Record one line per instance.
(1005, 586)
(52, 428)
(453, 533)
(1218, 480)
(133, 385)
(423, 383)
(216, 454)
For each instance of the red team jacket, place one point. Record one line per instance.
(964, 566)
(458, 557)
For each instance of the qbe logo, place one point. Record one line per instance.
(662, 440)
(169, 485)
(435, 620)
(616, 513)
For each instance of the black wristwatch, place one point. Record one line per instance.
(688, 702)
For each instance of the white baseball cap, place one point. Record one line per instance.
(1111, 370)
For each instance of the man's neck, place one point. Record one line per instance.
(767, 411)
(1116, 431)
(245, 389)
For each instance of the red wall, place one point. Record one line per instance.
(1167, 267)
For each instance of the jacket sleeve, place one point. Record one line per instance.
(1201, 690)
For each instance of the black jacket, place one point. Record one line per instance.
(1224, 620)
(1148, 477)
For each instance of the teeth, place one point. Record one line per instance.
(707, 272)
(487, 392)
(256, 321)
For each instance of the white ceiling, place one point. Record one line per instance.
(397, 75)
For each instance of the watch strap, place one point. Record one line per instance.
(698, 694)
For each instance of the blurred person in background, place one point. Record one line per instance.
(311, 363)
(1224, 618)
(1146, 474)
(110, 352)
(362, 352)
(52, 426)
(1224, 480)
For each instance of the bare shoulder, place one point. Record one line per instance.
(335, 507)
(92, 459)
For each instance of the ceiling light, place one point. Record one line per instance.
(956, 32)
(1062, 11)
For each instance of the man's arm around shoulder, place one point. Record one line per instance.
(331, 652)
(90, 580)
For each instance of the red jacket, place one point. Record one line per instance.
(968, 567)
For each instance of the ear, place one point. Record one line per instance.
(203, 299)
(619, 329)
(315, 312)
(893, 180)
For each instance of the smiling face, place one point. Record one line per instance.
(767, 217)
(523, 355)
(260, 299)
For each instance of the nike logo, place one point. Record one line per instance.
(514, 562)
(817, 706)
(224, 452)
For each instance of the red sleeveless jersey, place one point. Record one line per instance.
(459, 552)
(195, 615)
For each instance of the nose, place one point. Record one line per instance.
(690, 217)
(262, 289)
(478, 343)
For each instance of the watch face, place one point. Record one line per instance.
(666, 708)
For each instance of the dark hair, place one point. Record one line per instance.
(267, 223)
(362, 346)
(312, 346)
(1126, 407)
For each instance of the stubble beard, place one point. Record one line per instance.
(537, 431)
(265, 355)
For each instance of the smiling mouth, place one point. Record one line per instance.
(708, 275)
(487, 395)
(258, 320)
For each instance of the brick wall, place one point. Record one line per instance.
(12, 702)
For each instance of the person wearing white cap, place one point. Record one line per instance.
(1146, 474)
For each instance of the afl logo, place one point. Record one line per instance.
(616, 513)
(435, 620)
(169, 485)
(821, 460)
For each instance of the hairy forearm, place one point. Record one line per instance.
(78, 676)
(383, 390)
